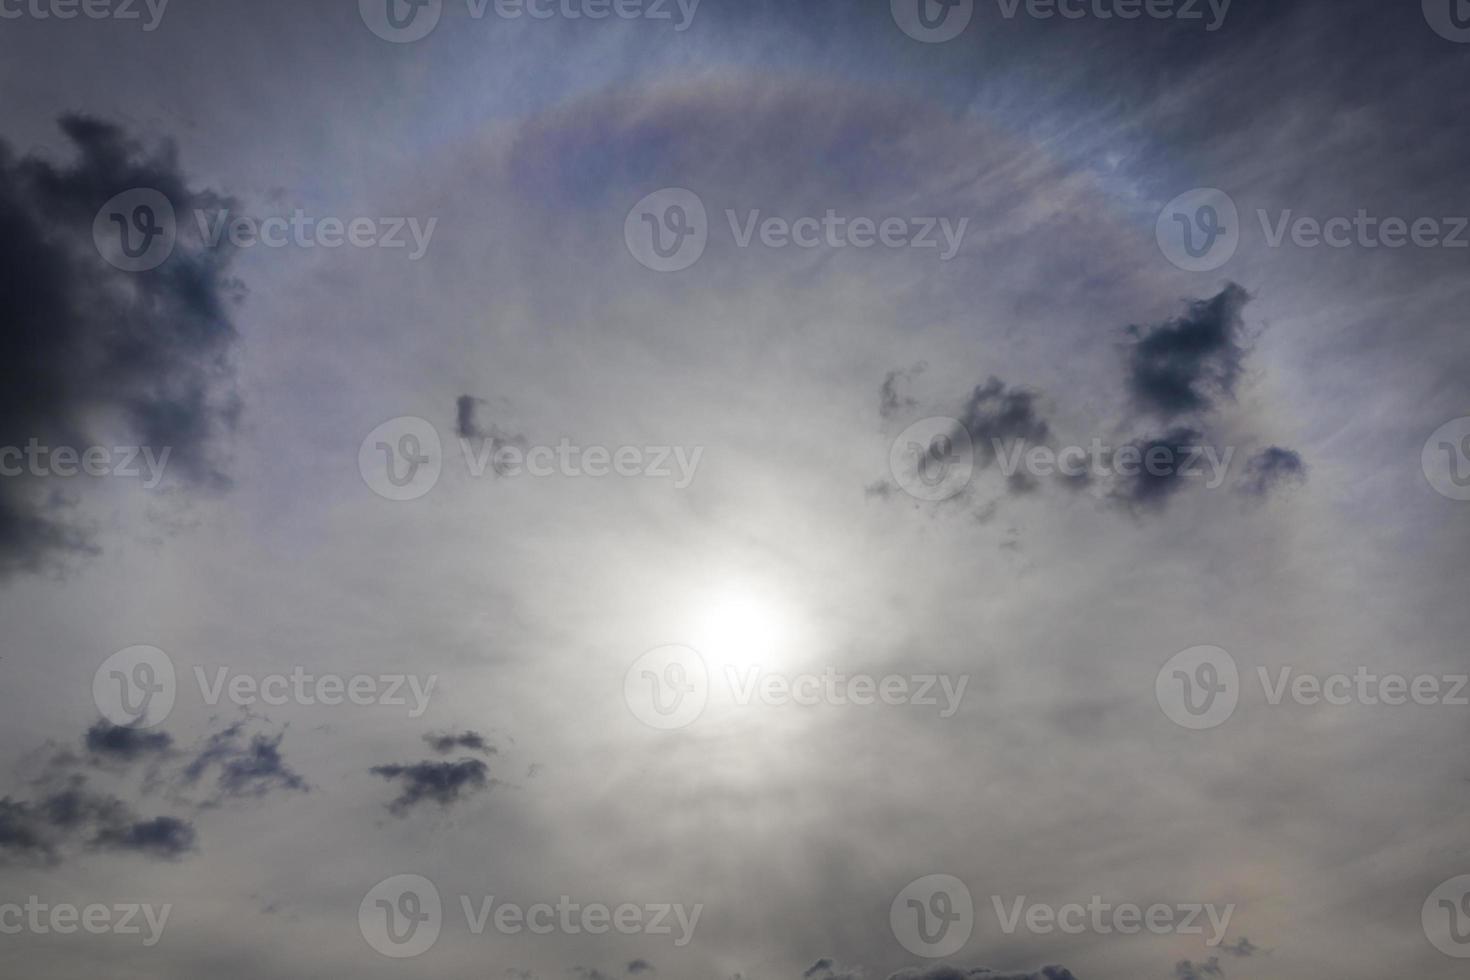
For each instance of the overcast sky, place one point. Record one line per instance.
(725, 464)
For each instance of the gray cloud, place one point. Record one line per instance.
(1149, 488)
(892, 399)
(1185, 365)
(826, 968)
(1270, 469)
(1187, 970)
(491, 437)
(23, 834)
(74, 817)
(110, 742)
(444, 783)
(161, 837)
(69, 815)
(997, 416)
(1242, 947)
(242, 769)
(88, 351)
(947, 972)
(465, 423)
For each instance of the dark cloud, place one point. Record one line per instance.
(243, 769)
(1185, 970)
(1241, 947)
(69, 814)
(947, 972)
(1150, 485)
(1270, 469)
(1184, 365)
(444, 783)
(826, 968)
(445, 743)
(881, 489)
(641, 966)
(44, 832)
(88, 351)
(891, 399)
(999, 417)
(162, 837)
(467, 425)
(107, 741)
(23, 834)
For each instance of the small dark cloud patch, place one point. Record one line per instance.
(444, 783)
(1272, 469)
(69, 815)
(445, 743)
(892, 397)
(640, 966)
(1184, 365)
(466, 425)
(167, 838)
(242, 769)
(1241, 947)
(880, 489)
(23, 835)
(947, 972)
(46, 831)
(491, 438)
(1179, 371)
(1151, 485)
(88, 351)
(998, 417)
(1186, 970)
(117, 743)
(826, 968)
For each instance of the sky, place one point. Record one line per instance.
(642, 490)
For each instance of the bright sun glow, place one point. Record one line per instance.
(740, 628)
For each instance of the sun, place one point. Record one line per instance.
(741, 627)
